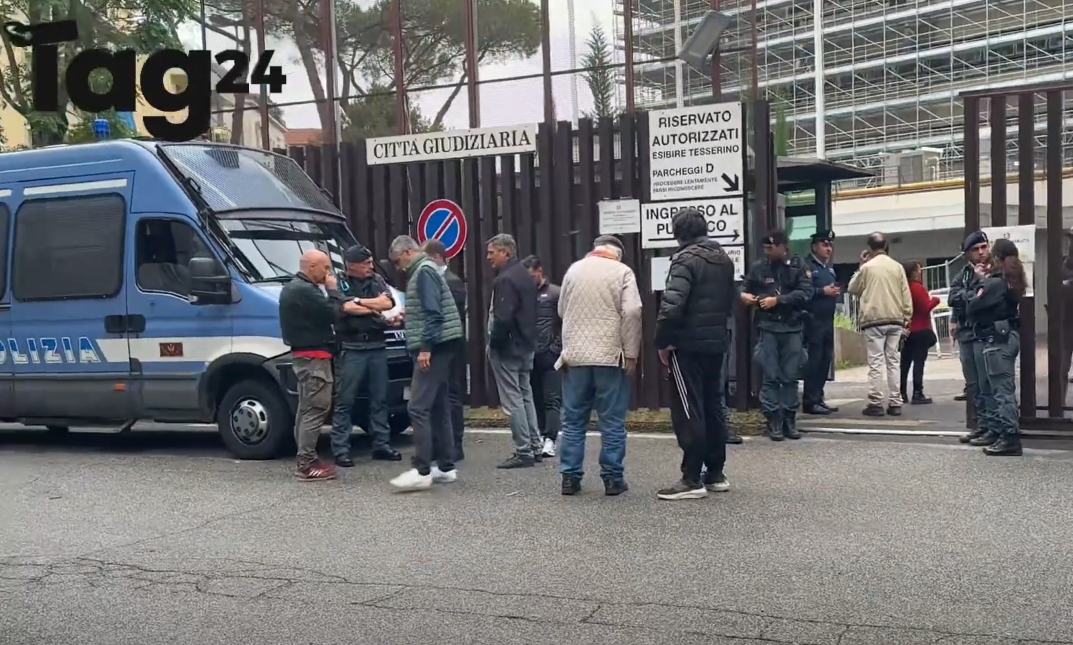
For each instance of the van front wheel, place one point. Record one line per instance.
(254, 420)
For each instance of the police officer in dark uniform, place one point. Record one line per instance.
(781, 289)
(363, 360)
(820, 323)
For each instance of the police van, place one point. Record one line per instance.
(139, 281)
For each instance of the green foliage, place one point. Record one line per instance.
(374, 116)
(142, 25)
(842, 321)
(600, 78)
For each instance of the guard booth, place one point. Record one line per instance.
(805, 189)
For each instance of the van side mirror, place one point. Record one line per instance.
(209, 282)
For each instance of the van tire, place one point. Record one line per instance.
(264, 428)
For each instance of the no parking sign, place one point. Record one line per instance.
(443, 220)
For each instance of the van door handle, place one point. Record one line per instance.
(124, 324)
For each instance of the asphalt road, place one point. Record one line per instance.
(161, 538)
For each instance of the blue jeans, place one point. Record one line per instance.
(353, 369)
(607, 391)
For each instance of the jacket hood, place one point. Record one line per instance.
(706, 249)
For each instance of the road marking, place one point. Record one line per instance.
(878, 422)
(877, 431)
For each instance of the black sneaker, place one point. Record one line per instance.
(344, 461)
(961, 397)
(571, 485)
(919, 399)
(894, 411)
(682, 489)
(615, 486)
(815, 409)
(873, 411)
(538, 457)
(829, 408)
(517, 461)
(966, 438)
(733, 438)
(716, 483)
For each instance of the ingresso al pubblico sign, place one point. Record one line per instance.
(454, 144)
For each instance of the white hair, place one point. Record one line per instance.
(402, 244)
(609, 248)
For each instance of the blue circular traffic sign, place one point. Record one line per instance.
(443, 220)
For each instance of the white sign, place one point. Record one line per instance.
(662, 266)
(619, 216)
(1023, 236)
(452, 144)
(725, 221)
(1025, 239)
(696, 152)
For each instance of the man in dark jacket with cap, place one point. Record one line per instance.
(780, 287)
(691, 336)
(977, 251)
(820, 324)
(545, 379)
(363, 359)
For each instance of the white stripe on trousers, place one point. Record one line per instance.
(680, 383)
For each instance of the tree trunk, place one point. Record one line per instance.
(309, 61)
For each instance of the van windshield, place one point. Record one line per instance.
(273, 247)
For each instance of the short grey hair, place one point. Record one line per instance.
(505, 242)
(402, 244)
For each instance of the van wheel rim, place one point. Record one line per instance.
(249, 421)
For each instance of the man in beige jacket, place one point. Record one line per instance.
(600, 308)
(885, 310)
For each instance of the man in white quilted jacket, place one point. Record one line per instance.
(600, 307)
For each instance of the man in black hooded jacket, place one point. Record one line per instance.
(691, 336)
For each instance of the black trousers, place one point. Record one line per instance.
(547, 386)
(433, 438)
(914, 355)
(697, 412)
(820, 341)
(456, 398)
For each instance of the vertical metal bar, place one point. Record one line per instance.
(627, 18)
(402, 116)
(266, 122)
(545, 61)
(469, 15)
(818, 70)
(328, 39)
(998, 160)
(753, 16)
(679, 64)
(972, 164)
(1026, 214)
(717, 66)
(972, 199)
(648, 366)
(204, 25)
(764, 182)
(1056, 334)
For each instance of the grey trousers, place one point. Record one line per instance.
(314, 377)
(429, 412)
(512, 375)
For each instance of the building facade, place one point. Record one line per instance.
(873, 83)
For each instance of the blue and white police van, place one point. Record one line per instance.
(139, 281)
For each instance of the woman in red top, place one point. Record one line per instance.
(921, 337)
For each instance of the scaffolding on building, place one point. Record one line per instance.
(890, 70)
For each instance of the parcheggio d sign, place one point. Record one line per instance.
(43, 40)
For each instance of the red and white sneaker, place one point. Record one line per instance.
(316, 471)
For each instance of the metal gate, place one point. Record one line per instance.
(1046, 341)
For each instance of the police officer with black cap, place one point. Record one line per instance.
(363, 360)
(780, 287)
(820, 323)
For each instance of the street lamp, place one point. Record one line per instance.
(704, 40)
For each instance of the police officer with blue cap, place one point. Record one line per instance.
(820, 324)
(780, 287)
(976, 250)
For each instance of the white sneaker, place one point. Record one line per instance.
(412, 480)
(441, 477)
(549, 448)
(721, 486)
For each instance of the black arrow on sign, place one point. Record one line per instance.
(732, 237)
(732, 184)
